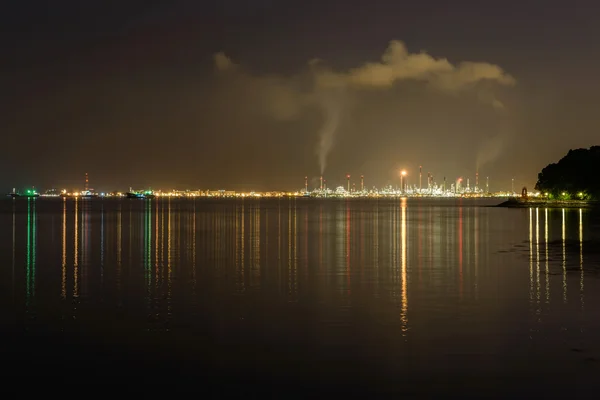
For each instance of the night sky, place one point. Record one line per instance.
(246, 94)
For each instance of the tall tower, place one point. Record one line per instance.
(306, 184)
(476, 179)
(321, 182)
(354, 187)
(325, 184)
(429, 180)
(420, 172)
(444, 184)
(362, 183)
(348, 179)
(487, 184)
(87, 182)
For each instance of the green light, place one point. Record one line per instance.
(28, 253)
(33, 248)
(148, 248)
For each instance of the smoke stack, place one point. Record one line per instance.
(444, 184)
(325, 184)
(362, 183)
(86, 182)
(477, 179)
(306, 184)
(420, 171)
(348, 179)
(321, 182)
(487, 184)
(354, 187)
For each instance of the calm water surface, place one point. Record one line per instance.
(407, 296)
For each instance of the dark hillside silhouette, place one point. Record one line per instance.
(575, 176)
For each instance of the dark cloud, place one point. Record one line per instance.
(317, 85)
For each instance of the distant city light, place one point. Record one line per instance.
(349, 190)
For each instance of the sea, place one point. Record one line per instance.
(297, 297)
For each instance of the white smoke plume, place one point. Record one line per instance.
(287, 97)
(223, 63)
(332, 114)
(490, 150)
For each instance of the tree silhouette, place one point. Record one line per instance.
(575, 176)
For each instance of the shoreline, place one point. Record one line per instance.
(328, 198)
(535, 203)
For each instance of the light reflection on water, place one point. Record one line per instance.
(413, 281)
(570, 259)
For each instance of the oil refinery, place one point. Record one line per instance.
(458, 187)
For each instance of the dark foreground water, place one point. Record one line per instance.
(302, 297)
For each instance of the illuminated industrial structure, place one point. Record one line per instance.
(87, 192)
(461, 188)
(432, 189)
